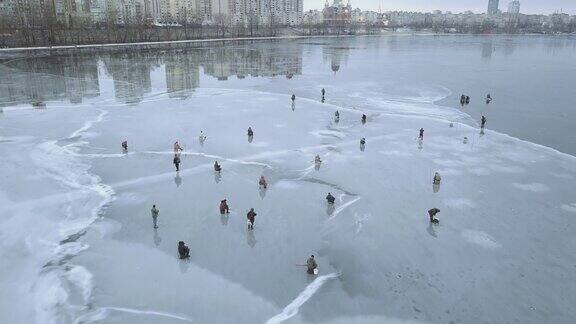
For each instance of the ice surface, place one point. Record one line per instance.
(77, 233)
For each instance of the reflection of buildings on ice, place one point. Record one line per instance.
(215, 62)
(60, 78)
(487, 48)
(131, 75)
(73, 78)
(224, 62)
(336, 54)
(182, 73)
(81, 78)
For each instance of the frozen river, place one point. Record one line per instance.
(77, 242)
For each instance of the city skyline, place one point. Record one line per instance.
(477, 6)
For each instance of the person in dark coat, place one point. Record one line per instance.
(251, 218)
(217, 167)
(176, 162)
(224, 209)
(250, 132)
(437, 178)
(323, 92)
(293, 97)
(125, 146)
(311, 265)
(330, 199)
(183, 250)
(421, 136)
(432, 212)
(483, 121)
(363, 119)
(155, 212)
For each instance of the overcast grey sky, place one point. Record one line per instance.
(527, 6)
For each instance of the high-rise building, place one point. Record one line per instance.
(492, 7)
(71, 12)
(204, 10)
(98, 11)
(177, 11)
(266, 12)
(247, 12)
(26, 12)
(514, 7)
(126, 12)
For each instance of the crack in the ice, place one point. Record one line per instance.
(100, 313)
(292, 309)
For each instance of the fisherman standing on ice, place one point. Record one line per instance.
(177, 147)
(155, 212)
(125, 146)
(311, 265)
(323, 92)
(293, 98)
(262, 182)
(330, 199)
(176, 162)
(224, 209)
(251, 216)
(217, 167)
(437, 178)
(317, 159)
(250, 132)
(483, 121)
(183, 250)
(432, 212)
(421, 136)
(363, 119)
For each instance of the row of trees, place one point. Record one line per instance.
(37, 23)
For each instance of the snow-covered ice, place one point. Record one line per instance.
(77, 235)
